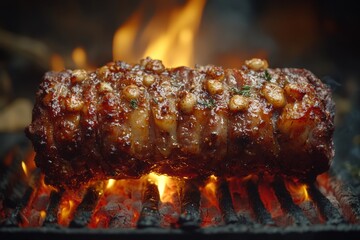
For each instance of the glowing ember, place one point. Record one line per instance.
(119, 206)
(33, 215)
(168, 36)
(210, 211)
(324, 182)
(79, 57)
(239, 194)
(298, 191)
(269, 199)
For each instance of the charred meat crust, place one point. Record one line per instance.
(123, 121)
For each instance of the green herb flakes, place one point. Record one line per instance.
(133, 103)
(208, 104)
(267, 76)
(245, 90)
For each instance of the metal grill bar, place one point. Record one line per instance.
(225, 203)
(14, 196)
(347, 199)
(22, 192)
(327, 210)
(190, 206)
(150, 216)
(287, 203)
(222, 232)
(11, 185)
(8, 175)
(14, 219)
(261, 213)
(52, 209)
(85, 209)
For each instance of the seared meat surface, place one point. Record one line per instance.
(124, 121)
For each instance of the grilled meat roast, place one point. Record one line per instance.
(124, 121)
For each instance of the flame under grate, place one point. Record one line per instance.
(249, 208)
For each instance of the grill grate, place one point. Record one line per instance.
(53, 208)
(150, 216)
(226, 206)
(336, 219)
(288, 205)
(85, 210)
(190, 217)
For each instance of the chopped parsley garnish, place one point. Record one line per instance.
(133, 103)
(209, 104)
(245, 90)
(267, 75)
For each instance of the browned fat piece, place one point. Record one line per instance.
(124, 121)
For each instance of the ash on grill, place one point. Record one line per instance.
(254, 205)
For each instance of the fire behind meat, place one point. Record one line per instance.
(124, 121)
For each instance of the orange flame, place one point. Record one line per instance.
(124, 39)
(43, 214)
(211, 185)
(28, 164)
(57, 63)
(209, 190)
(23, 165)
(174, 46)
(66, 209)
(179, 37)
(298, 191)
(69, 202)
(44, 187)
(79, 57)
(161, 181)
(110, 183)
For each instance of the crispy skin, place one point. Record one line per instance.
(85, 128)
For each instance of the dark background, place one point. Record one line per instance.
(322, 36)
